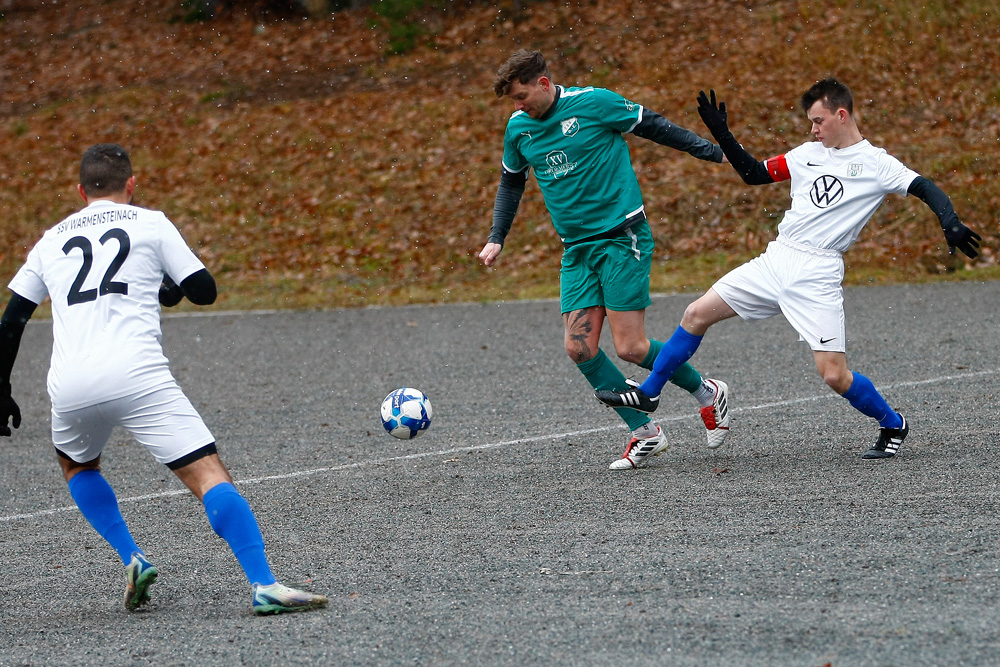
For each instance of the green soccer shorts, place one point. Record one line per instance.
(613, 273)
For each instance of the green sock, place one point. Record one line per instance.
(601, 373)
(654, 349)
(686, 377)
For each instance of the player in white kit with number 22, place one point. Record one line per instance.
(107, 269)
(837, 183)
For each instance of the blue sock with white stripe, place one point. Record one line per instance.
(863, 396)
(99, 506)
(232, 519)
(675, 352)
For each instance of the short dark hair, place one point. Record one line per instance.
(104, 170)
(524, 66)
(833, 93)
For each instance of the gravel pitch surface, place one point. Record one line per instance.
(499, 537)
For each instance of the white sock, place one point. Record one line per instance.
(647, 430)
(705, 394)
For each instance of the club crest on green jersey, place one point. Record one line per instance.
(570, 126)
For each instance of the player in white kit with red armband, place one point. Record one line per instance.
(837, 183)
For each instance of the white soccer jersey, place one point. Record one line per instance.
(102, 268)
(835, 191)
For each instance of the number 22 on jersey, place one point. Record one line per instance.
(108, 284)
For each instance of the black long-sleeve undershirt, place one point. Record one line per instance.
(750, 169)
(507, 202)
(656, 128)
(15, 316)
(199, 288)
(926, 191)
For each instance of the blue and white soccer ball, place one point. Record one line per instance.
(406, 413)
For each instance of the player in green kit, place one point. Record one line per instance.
(572, 138)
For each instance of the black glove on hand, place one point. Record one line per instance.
(170, 293)
(961, 237)
(8, 410)
(714, 116)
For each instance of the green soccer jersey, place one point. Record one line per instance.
(580, 158)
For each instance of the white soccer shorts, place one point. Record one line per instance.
(162, 420)
(799, 282)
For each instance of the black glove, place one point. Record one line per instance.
(8, 410)
(714, 116)
(170, 293)
(961, 237)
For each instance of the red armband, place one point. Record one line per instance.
(778, 168)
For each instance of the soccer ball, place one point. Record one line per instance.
(406, 413)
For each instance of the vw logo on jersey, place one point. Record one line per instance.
(570, 126)
(826, 191)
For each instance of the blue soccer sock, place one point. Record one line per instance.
(99, 505)
(675, 352)
(232, 519)
(863, 396)
(686, 376)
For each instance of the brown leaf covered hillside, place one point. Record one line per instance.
(310, 167)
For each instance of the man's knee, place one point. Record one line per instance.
(203, 473)
(579, 351)
(696, 316)
(71, 468)
(704, 312)
(837, 381)
(835, 373)
(582, 333)
(633, 352)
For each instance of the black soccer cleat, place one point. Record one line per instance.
(889, 440)
(633, 398)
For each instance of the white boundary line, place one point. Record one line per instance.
(492, 445)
